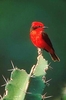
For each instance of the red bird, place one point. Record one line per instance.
(41, 40)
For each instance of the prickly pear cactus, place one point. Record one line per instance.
(38, 80)
(30, 86)
(17, 85)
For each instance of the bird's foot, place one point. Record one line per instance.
(39, 51)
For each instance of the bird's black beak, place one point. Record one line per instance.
(45, 27)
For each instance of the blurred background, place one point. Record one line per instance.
(16, 17)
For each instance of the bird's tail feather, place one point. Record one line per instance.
(54, 57)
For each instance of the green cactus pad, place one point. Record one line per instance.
(37, 81)
(17, 86)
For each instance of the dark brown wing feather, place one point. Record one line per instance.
(46, 39)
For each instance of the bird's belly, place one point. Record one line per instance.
(37, 41)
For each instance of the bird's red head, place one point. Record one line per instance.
(36, 25)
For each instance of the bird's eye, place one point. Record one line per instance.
(39, 26)
(36, 27)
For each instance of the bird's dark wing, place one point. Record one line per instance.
(46, 39)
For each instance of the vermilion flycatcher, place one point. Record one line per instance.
(41, 40)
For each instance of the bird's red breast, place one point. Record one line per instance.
(36, 38)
